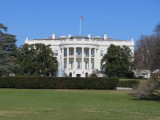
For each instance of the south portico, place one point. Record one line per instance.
(78, 61)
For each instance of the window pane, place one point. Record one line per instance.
(65, 64)
(92, 64)
(101, 53)
(78, 64)
(56, 52)
(92, 52)
(65, 52)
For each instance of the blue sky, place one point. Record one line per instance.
(120, 19)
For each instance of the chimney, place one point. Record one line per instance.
(89, 36)
(69, 35)
(53, 36)
(105, 36)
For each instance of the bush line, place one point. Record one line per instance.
(58, 83)
(128, 83)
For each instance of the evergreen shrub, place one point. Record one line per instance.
(58, 83)
(128, 83)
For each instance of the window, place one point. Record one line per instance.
(78, 51)
(101, 52)
(92, 52)
(86, 75)
(65, 64)
(71, 52)
(92, 64)
(70, 74)
(71, 65)
(86, 65)
(78, 64)
(86, 53)
(65, 52)
(56, 52)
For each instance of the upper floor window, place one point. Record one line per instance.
(92, 52)
(56, 52)
(65, 52)
(101, 52)
(78, 51)
(71, 52)
(86, 53)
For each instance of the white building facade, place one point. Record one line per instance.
(79, 56)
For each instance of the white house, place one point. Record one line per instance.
(78, 56)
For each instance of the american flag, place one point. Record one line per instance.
(81, 18)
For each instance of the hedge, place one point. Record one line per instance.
(58, 83)
(128, 83)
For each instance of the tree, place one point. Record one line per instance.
(95, 73)
(36, 60)
(157, 29)
(148, 89)
(147, 53)
(117, 61)
(7, 52)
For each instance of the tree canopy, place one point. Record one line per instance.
(7, 52)
(117, 61)
(36, 60)
(147, 53)
(157, 29)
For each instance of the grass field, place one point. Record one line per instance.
(17, 104)
(132, 79)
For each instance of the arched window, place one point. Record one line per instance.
(86, 75)
(70, 74)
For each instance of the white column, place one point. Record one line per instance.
(62, 58)
(95, 60)
(67, 58)
(74, 58)
(82, 58)
(89, 59)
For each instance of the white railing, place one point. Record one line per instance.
(77, 41)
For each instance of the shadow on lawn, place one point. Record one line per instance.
(152, 97)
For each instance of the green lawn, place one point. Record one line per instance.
(132, 79)
(17, 104)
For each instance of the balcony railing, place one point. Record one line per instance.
(79, 55)
(92, 55)
(78, 41)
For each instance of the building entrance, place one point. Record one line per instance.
(78, 75)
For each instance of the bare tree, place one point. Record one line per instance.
(157, 29)
(147, 54)
(148, 89)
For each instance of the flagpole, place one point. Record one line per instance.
(80, 27)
